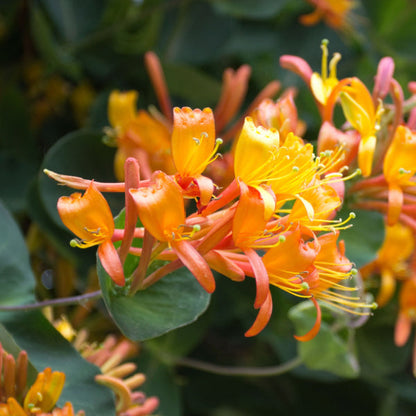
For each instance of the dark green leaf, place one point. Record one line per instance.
(193, 86)
(17, 280)
(80, 153)
(262, 9)
(364, 238)
(176, 300)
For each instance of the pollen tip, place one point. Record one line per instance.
(73, 243)
(352, 215)
(282, 238)
(354, 271)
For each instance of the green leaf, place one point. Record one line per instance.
(375, 344)
(16, 278)
(176, 300)
(262, 9)
(364, 238)
(197, 88)
(329, 350)
(80, 153)
(52, 52)
(47, 348)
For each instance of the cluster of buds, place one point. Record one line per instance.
(274, 217)
(17, 399)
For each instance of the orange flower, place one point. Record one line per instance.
(193, 140)
(335, 13)
(391, 260)
(162, 212)
(360, 111)
(45, 392)
(407, 316)
(139, 135)
(323, 84)
(90, 218)
(399, 168)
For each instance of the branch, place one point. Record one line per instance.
(53, 302)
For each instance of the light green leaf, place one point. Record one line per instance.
(329, 350)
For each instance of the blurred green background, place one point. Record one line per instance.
(59, 61)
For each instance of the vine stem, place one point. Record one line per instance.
(240, 371)
(53, 302)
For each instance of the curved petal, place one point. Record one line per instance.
(262, 318)
(111, 262)
(316, 327)
(196, 264)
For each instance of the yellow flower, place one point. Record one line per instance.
(363, 116)
(323, 84)
(391, 260)
(399, 168)
(193, 140)
(45, 392)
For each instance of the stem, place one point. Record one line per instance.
(53, 302)
(240, 371)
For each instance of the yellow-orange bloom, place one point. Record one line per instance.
(139, 135)
(89, 217)
(335, 13)
(399, 168)
(407, 316)
(194, 144)
(360, 111)
(323, 84)
(254, 153)
(162, 212)
(391, 260)
(45, 392)
(122, 109)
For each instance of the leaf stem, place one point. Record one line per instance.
(240, 371)
(53, 302)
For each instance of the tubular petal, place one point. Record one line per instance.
(111, 262)
(402, 329)
(196, 264)
(317, 325)
(263, 317)
(261, 276)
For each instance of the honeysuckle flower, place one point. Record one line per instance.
(331, 138)
(45, 392)
(399, 169)
(391, 260)
(281, 115)
(40, 399)
(323, 84)
(138, 134)
(89, 217)
(194, 147)
(162, 212)
(118, 375)
(363, 116)
(335, 13)
(406, 317)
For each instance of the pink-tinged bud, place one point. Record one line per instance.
(297, 65)
(330, 138)
(383, 78)
(411, 86)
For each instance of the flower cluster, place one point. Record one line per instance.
(274, 220)
(380, 134)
